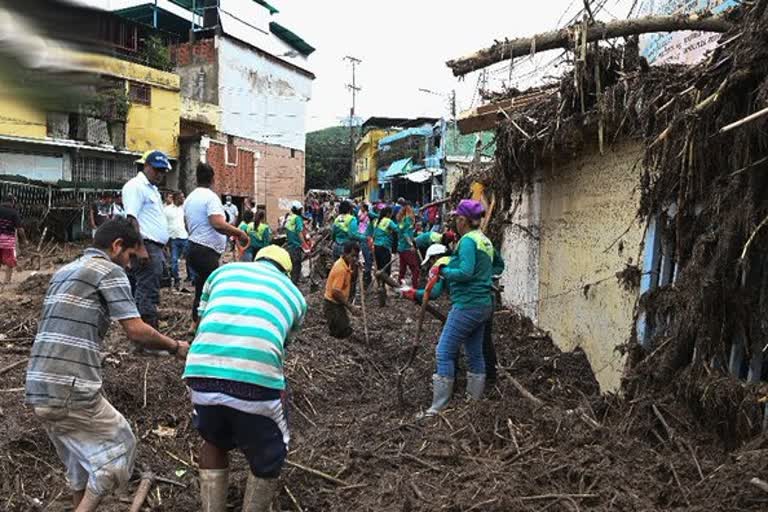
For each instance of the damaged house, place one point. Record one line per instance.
(630, 204)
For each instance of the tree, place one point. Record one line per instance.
(328, 158)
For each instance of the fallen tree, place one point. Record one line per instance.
(564, 38)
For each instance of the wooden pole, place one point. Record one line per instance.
(563, 38)
(386, 279)
(360, 285)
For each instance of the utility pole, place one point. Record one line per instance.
(354, 88)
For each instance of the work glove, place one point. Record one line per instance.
(408, 293)
(434, 272)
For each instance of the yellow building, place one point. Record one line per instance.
(75, 147)
(366, 177)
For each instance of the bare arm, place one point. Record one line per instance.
(146, 336)
(220, 224)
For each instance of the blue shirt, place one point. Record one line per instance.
(142, 201)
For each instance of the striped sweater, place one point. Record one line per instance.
(247, 312)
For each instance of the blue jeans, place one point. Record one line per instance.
(178, 249)
(145, 278)
(464, 326)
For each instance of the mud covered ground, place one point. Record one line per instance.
(357, 446)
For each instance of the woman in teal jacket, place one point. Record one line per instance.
(468, 275)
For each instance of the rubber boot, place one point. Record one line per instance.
(213, 489)
(442, 389)
(475, 385)
(89, 503)
(259, 493)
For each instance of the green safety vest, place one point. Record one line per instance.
(482, 242)
(259, 231)
(343, 222)
(290, 224)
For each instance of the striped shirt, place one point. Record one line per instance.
(247, 312)
(65, 366)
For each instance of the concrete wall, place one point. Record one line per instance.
(279, 177)
(197, 65)
(586, 204)
(520, 251)
(260, 98)
(155, 126)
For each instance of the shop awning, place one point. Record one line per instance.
(423, 175)
(398, 168)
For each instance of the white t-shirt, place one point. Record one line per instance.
(142, 201)
(232, 213)
(201, 203)
(175, 216)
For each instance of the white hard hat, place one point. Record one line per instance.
(296, 205)
(434, 250)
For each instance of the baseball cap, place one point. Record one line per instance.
(470, 209)
(434, 250)
(156, 159)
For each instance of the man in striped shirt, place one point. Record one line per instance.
(235, 373)
(64, 381)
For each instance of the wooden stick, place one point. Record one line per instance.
(760, 484)
(360, 285)
(557, 497)
(293, 499)
(315, 472)
(527, 394)
(387, 279)
(563, 38)
(752, 238)
(13, 365)
(753, 117)
(664, 423)
(142, 491)
(146, 370)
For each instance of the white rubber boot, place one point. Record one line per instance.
(475, 385)
(442, 389)
(213, 489)
(259, 493)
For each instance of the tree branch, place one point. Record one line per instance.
(505, 50)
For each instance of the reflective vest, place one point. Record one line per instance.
(258, 232)
(482, 242)
(290, 224)
(343, 222)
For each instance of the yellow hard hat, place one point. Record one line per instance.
(143, 159)
(278, 255)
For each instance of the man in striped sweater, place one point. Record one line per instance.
(64, 381)
(235, 373)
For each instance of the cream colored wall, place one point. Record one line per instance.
(586, 205)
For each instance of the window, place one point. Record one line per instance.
(230, 151)
(140, 93)
(293, 153)
(102, 170)
(119, 33)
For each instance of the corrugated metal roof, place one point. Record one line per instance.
(424, 131)
(291, 39)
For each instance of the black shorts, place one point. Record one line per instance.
(258, 437)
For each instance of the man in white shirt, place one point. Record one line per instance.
(144, 206)
(231, 211)
(208, 230)
(177, 231)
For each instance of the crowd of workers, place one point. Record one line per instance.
(245, 314)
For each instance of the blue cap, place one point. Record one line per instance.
(158, 160)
